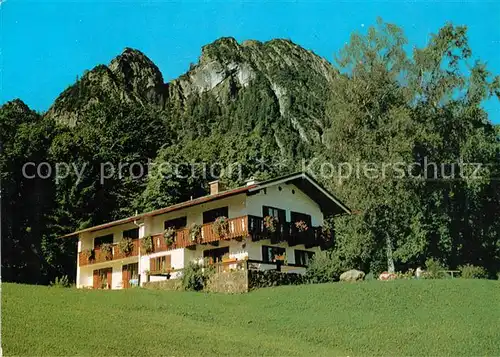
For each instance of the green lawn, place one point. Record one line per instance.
(441, 317)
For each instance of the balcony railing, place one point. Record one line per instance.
(97, 256)
(251, 227)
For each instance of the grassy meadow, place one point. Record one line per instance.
(454, 317)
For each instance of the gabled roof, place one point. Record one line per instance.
(329, 204)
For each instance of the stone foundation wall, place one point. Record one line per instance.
(173, 284)
(231, 282)
(235, 282)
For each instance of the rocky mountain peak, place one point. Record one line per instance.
(131, 77)
(135, 67)
(293, 78)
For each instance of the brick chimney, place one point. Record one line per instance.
(215, 187)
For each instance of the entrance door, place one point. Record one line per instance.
(103, 278)
(130, 272)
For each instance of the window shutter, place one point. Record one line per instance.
(168, 261)
(281, 216)
(265, 211)
(152, 264)
(125, 276)
(264, 254)
(109, 277)
(96, 279)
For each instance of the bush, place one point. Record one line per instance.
(370, 276)
(193, 277)
(268, 278)
(324, 267)
(435, 270)
(62, 282)
(469, 271)
(409, 274)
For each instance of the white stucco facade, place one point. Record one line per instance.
(284, 196)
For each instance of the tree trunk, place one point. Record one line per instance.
(390, 260)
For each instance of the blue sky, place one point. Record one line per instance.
(46, 44)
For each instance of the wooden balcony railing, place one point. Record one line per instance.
(97, 256)
(245, 226)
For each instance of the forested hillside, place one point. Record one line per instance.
(269, 106)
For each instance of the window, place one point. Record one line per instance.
(215, 255)
(277, 213)
(211, 215)
(160, 263)
(131, 233)
(296, 217)
(176, 223)
(98, 241)
(269, 253)
(303, 257)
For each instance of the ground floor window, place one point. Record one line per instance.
(215, 255)
(272, 254)
(303, 257)
(160, 264)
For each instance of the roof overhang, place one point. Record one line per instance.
(140, 217)
(329, 204)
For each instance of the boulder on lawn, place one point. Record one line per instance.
(387, 276)
(352, 275)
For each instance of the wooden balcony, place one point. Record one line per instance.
(251, 227)
(100, 257)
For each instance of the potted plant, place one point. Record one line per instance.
(147, 245)
(270, 223)
(167, 272)
(280, 258)
(107, 250)
(169, 236)
(194, 232)
(88, 254)
(227, 259)
(126, 246)
(221, 226)
(301, 226)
